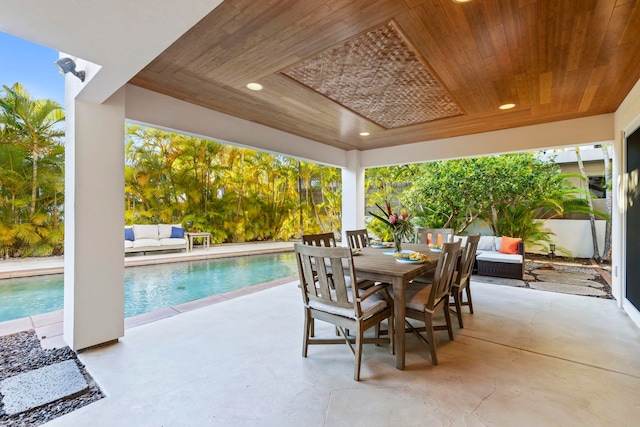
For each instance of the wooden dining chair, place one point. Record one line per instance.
(358, 239)
(326, 240)
(462, 281)
(436, 236)
(422, 302)
(322, 239)
(333, 301)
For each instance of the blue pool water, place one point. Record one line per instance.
(149, 288)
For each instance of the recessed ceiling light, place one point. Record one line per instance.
(364, 133)
(254, 86)
(461, 1)
(506, 106)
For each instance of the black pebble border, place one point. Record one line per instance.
(21, 352)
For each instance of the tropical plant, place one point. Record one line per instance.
(592, 217)
(398, 223)
(236, 194)
(32, 172)
(507, 193)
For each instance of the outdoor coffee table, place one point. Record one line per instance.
(206, 239)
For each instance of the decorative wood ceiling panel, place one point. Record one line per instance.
(379, 76)
(555, 59)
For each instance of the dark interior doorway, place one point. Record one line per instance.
(632, 238)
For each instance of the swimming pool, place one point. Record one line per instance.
(149, 288)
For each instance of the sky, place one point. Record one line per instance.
(32, 66)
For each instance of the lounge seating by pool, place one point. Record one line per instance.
(498, 260)
(157, 237)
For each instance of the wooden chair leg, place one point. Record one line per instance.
(447, 316)
(392, 336)
(457, 297)
(358, 354)
(428, 323)
(469, 298)
(308, 325)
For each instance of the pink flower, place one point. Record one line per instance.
(393, 218)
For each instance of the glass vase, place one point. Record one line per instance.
(397, 242)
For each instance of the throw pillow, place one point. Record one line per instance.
(509, 245)
(177, 233)
(128, 234)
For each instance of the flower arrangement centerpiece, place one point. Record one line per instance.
(399, 223)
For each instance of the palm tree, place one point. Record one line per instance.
(607, 185)
(35, 125)
(592, 217)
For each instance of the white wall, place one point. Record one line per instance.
(573, 235)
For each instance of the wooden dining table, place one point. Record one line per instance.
(374, 264)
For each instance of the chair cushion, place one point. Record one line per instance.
(128, 244)
(425, 278)
(486, 243)
(145, 232)
(492, 256)
(417, 297)
(372, 305)
(509, 245)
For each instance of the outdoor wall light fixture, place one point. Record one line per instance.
(68, 65)
(552, 250)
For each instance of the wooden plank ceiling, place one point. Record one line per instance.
(554, 59)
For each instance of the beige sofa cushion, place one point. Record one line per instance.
(145, 231)
(487, 243)
(463, 240)
(172, 242)
(145, 243)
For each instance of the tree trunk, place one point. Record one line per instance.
(315, 208)
(34, 184)
(592, 218)
(607, 186)
(301, 225)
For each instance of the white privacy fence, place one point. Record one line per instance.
(573, 235)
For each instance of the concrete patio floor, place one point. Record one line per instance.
(525, 358)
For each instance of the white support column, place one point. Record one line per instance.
(353, 194)
(94, 220)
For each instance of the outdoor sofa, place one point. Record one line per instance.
(158, 237)
(498, 260)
